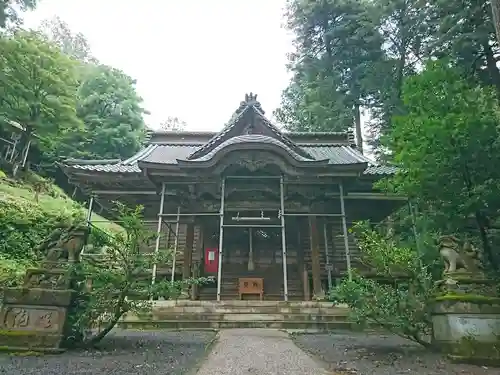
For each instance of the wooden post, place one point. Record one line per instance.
(301, 262)
(188, 251)
(188, 255)
(315, 257)
(199, 255)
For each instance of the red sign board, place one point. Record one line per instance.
(211, 260)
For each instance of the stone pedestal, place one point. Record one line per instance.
(466, 320)
(36, 316)
(33, 318)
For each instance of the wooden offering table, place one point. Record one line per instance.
(249, 285)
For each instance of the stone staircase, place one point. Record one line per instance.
(186, 314)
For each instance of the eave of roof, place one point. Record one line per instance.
(254, 139)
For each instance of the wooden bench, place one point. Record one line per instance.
(251, 286)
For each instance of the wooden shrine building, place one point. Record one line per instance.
(247, 203)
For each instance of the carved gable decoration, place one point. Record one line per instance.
(254, 161)
(248, 119)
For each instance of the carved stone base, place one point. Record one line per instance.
(466, 320)
(466, 283)
(34, 319)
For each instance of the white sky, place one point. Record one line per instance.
(194, 59)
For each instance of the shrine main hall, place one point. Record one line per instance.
(266, 213)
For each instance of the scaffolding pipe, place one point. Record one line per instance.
(158, 232)
(89, 211)
(344, 228)
(121, 221)
(176, 243)
(89, 219)
(221, 237)
(194, 214)
(311, 214)
(327, 255)
(251, 265)
(253, 177)
(251, 226)
(283, 238)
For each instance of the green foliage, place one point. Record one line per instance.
(120, 272)
(37, 88)
(25, 223)
(381, 252)
(110, 108)
(12, 271)
(337, 45)
(74, 45)
(459, 128)
(355, 55)
(9, 10)
(71, 105)
(398, 299)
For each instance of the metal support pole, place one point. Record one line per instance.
(89, 218)
(176, 243)
(283, 238)
(89, 211)
(25, 156)
(344, 227)
(312, 214)
(221, 237)
(252, 226)
(327, 255)
(251, 265)
(158, 233)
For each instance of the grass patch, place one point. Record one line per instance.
(54, 201)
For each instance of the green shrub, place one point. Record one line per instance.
(399, 299)
(24, 224)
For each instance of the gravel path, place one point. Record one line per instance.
(122, 353)
(258, 352)
(375, 354)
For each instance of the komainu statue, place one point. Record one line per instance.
(459, 257)
(64, 245)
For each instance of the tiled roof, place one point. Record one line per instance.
(380, 170)
(174, 147)
(169, 153)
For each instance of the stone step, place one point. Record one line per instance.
(211, 324)
(250, 310)
(236, 303)
(236, 317)
(233, 296)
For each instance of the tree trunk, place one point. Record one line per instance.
(357, 125)
(481, 222)
(491, 65)
(112, 323)
(495, 10)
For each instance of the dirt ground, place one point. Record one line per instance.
(377, 354)
(122, 353)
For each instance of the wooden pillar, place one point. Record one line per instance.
(188, 251)
(301, 262)
(195, 272)
(188, 255)
(315, 257)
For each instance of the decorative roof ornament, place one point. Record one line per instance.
(250, 100)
